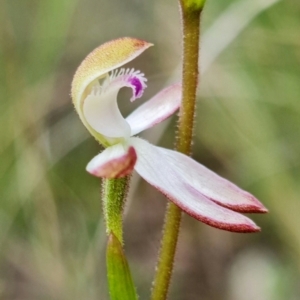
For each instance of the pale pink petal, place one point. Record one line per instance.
(212, 185)
(155, 110)
(159, 167)
(114, 162)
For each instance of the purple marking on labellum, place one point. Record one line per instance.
(136, 82)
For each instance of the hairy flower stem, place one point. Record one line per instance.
(120, 283)
(191, 28)
(114, 197)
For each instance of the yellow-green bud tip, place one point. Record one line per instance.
(193, 5)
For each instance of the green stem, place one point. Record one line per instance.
(119, 278)
(114, 197)
(190, 73)
(166, 253)
(191, 28)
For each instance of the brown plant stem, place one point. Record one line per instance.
(191, 28)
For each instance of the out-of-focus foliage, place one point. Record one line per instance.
(52, 238)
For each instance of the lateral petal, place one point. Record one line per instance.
(210, 184)
(159, 167)
(114, 162)
(155, 110)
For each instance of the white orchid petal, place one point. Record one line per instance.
(114, 162)
(155, 110)
(158, 166)
(102, 113)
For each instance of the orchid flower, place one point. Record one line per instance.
(198, 191)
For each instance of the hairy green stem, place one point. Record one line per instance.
(120, 283)
(114, 197)
(190, 73)
(190, 13)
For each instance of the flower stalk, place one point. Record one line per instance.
(114, 194)
(190, 14)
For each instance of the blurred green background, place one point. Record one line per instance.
(52, 239)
